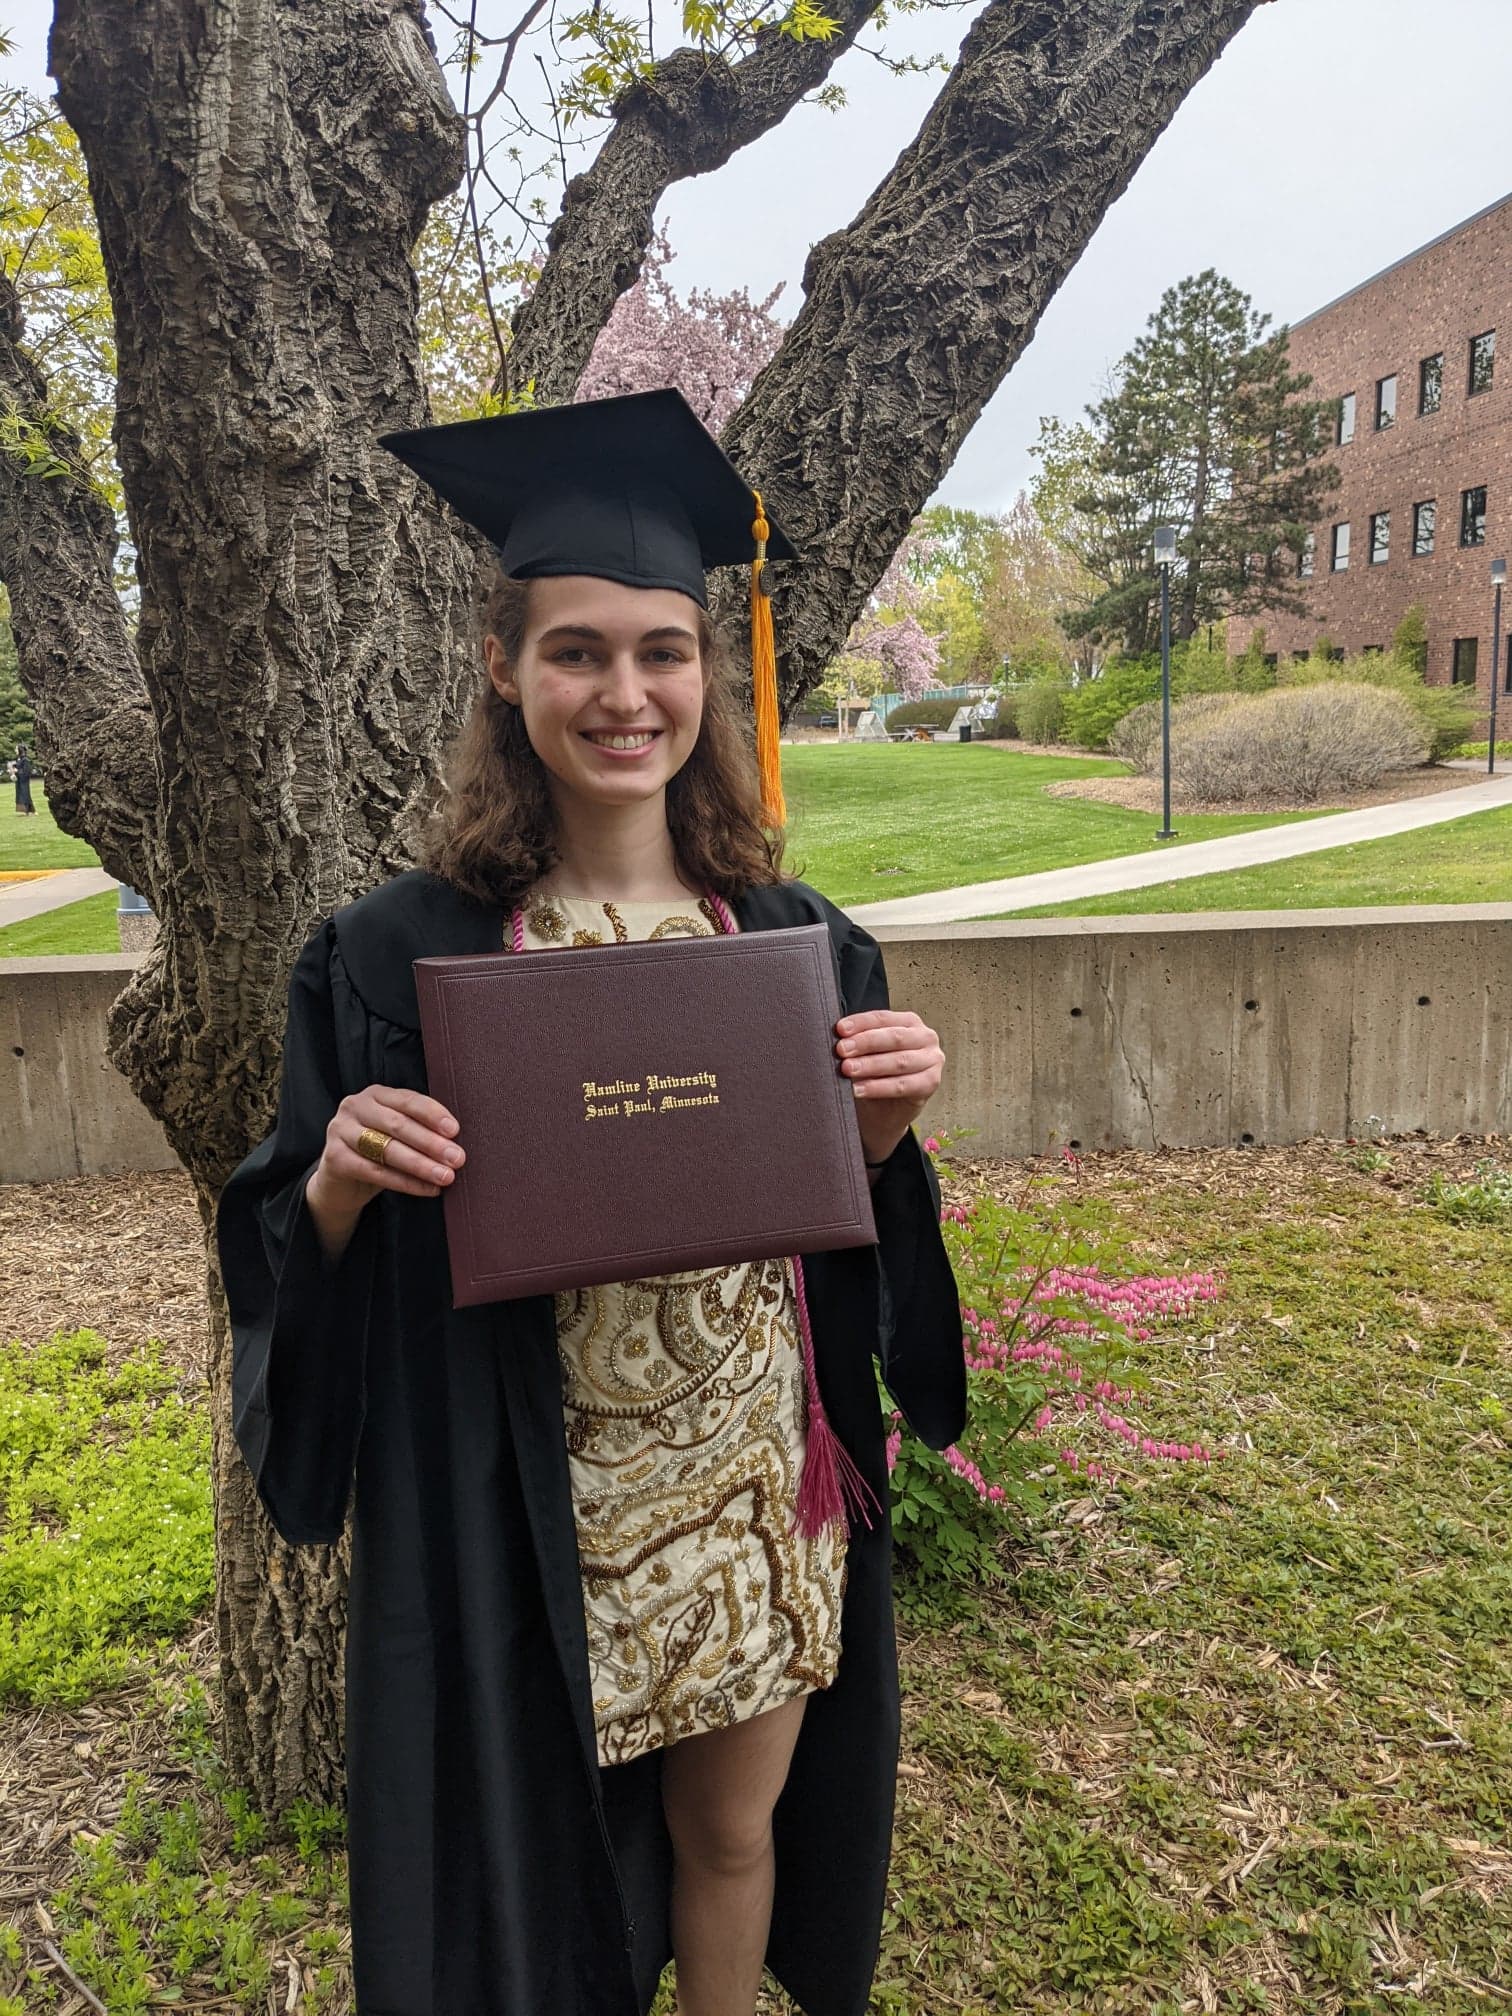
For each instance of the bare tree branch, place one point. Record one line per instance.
(77, 662)
(688, 118)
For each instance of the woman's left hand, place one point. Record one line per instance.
(894, 1064)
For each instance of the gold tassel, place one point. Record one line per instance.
(764, 680)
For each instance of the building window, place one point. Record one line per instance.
(1465, 649)
(1340, 549)
(1386, 401)
(1272, 658)
(1344, 432)
(1424, 518)
(1473, 516)
(1336, 654)
(1380, 538)
(1300, 657)
(1307, 556)
(1431, 383)
(1482, 361)
(1372, 650)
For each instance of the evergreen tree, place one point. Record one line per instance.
(1409, 641)
(1207, 429)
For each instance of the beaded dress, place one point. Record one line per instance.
(683, 1397)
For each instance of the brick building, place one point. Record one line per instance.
(1424, 452)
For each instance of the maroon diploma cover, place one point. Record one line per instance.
(641, 1109)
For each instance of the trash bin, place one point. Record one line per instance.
(965, 731)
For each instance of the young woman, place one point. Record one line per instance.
(609, 1700)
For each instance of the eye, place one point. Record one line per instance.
(667, 655)
(569, 654)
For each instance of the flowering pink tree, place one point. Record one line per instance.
(888, 649)
(710, 346)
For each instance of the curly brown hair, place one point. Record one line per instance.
(494, 834)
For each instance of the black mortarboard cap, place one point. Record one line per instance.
(633, 489)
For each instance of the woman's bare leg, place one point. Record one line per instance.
(718, 1790)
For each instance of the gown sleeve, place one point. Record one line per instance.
(298, 1324)
(922, 1353)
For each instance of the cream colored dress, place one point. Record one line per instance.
(684, 1403)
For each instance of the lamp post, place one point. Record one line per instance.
(1498, 582)
(1165, 553)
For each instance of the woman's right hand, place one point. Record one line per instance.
(420, 1161)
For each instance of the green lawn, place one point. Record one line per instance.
(37, 842)
(86, 926)
(1463, 861)
(876, 821)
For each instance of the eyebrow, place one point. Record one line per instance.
(667, 630)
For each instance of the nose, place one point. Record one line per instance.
(622, 690)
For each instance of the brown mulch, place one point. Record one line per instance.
(124, 1255)
(1143, 794)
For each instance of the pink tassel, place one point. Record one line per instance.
(830, 1479)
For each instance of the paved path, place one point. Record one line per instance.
(19, 900)
(1173, 863)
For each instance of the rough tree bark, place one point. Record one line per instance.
(915, 313)
(257, 753)
(259, 173)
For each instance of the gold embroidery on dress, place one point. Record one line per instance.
(621, 935)
(587, 937)
(546, 920)
(679, 927)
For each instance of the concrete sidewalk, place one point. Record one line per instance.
(19, 900)
(1172, 862)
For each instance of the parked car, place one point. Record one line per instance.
(829, 720)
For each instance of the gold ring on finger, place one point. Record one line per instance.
(373, 1143)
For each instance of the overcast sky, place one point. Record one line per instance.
(1332, 137)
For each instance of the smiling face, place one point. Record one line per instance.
(610, 681)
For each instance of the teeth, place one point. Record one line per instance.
(622, 741)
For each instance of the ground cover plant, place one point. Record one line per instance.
(1223, 1736)
(88, 926)
(1465, 860)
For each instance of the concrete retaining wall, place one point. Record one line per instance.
(1092, 1032)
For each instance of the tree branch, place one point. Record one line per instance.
(916, 312)
(688, 118)
(77, 662)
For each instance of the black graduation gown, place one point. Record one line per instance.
(495, 1868)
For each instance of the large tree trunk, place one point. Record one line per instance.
(261, 751)
(260, 173)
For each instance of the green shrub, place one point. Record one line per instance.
(1041, 712)
(106, 1534)
(1005, 723)
(1097, 706)
(1409, 641)
(1251, 672)
(923, 714)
